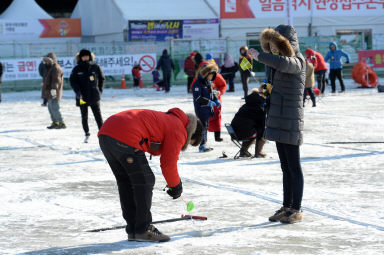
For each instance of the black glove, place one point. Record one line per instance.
(175, 192)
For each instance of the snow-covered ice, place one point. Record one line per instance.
(53, 187)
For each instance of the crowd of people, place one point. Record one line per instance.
(273, 112)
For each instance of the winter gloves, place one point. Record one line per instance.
(53, 93)
(175, 192)
(214, 103)
(211, 104)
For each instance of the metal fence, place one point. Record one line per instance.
(181, 48)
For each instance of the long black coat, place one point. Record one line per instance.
(250, 118)
(165, 64)
(87, 80)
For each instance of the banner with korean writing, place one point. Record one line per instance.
(375, 58)
(28, 68)
(39, 28)
(199, 28)
(239, 9)
(157, 30)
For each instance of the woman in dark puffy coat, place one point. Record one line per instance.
(284, 123)
(249, 124)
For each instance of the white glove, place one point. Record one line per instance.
(253, 74)
(53, 93)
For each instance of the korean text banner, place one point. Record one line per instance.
(156, 30)
(198, 28)
(39, 28)
(240, 9)
(28, 68)
(375, 58)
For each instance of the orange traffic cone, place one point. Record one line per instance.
(141, 84)
(123, 85)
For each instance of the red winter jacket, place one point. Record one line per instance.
(316, 59)
(220, 85)
(132, 126)
(136, 72)
(189, 66)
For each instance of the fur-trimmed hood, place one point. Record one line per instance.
(205, 70)
(191, 128)
(78, 60)
(284, 37)
(50, 58)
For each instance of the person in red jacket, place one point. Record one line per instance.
(219, 86)
(319, 65)
(189, 69)
(136, 75)
(124, 138)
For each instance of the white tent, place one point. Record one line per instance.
(24, 9)
(105, 20)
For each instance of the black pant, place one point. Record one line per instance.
(332, 75)
(96, 113)
(320, 76)
(189, 83)
(231, 84)
(135, 181)
(167, 80)
(310, 92)
(245, 80)
(293, 180)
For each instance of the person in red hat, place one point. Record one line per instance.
(124, 138)
(319, 65)
(219, 87)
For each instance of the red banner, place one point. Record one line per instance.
(373, 57)
(235, 9)
(54, 28)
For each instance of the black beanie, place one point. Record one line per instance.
(85, 52)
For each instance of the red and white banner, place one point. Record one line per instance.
(28, 68)
(240, 9)
(374, 58)
(39, 28)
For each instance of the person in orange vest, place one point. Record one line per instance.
(124, 138)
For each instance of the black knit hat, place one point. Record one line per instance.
(85, 52)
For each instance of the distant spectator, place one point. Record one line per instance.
(189, 69)
(309, 82)
(228, 71)
(87, 81)
(334, 55)
(166, 65)
(136, 75)
(320, 66)
(209, 58)
(53, 90)
(245, 74)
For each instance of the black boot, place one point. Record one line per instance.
(259, 148)
(244, 153)
(314, 102)
(217, 136)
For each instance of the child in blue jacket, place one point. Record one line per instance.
(203, 98)
(334, 55)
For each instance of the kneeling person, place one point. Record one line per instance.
(249, 124)
(124, 138)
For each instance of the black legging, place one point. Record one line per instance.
(167, 80)
(189, 83)
(320, 76)
(96, 113)
(332, 76)
(293, 180)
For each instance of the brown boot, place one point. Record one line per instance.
(279, 214)
(152, 234)
(259, 148)
(244, 153)
(292, 216)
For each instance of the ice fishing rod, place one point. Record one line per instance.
(182, 218)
